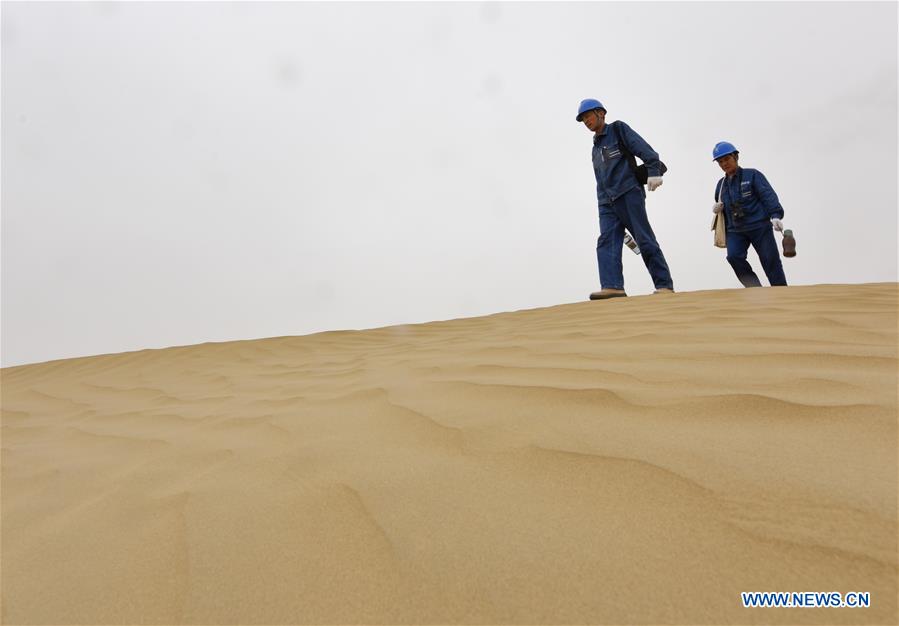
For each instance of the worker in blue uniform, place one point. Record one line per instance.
(752, 213)
(622, 200)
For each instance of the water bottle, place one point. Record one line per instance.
(789, 244)
(630, 243)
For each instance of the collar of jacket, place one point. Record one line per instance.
(598, 135)
(737, 172)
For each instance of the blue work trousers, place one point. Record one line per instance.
(628, 211)
(762, 239)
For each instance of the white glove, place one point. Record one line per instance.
(778, 225)
(717, 207)
(653, 182)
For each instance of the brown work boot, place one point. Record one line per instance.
(605, 294)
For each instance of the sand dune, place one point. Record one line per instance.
(641, 460)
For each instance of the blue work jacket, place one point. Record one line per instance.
(614, 177)
(749, 193)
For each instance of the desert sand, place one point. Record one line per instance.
(640, 460)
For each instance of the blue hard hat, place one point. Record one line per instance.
(588, 105)
(723, 148)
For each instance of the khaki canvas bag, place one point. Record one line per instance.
(718, 222)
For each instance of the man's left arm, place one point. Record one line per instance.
(638, 146)
(768, 197)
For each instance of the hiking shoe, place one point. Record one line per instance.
(605, 294)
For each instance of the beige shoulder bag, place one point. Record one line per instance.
(718, 220)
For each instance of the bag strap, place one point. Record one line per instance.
(625, 151)
(621, 146)
(720, 190)
(724, 182)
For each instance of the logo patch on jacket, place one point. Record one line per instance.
(611, 152)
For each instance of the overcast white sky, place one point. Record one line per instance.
(177, 173)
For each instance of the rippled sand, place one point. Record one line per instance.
(630, 461)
